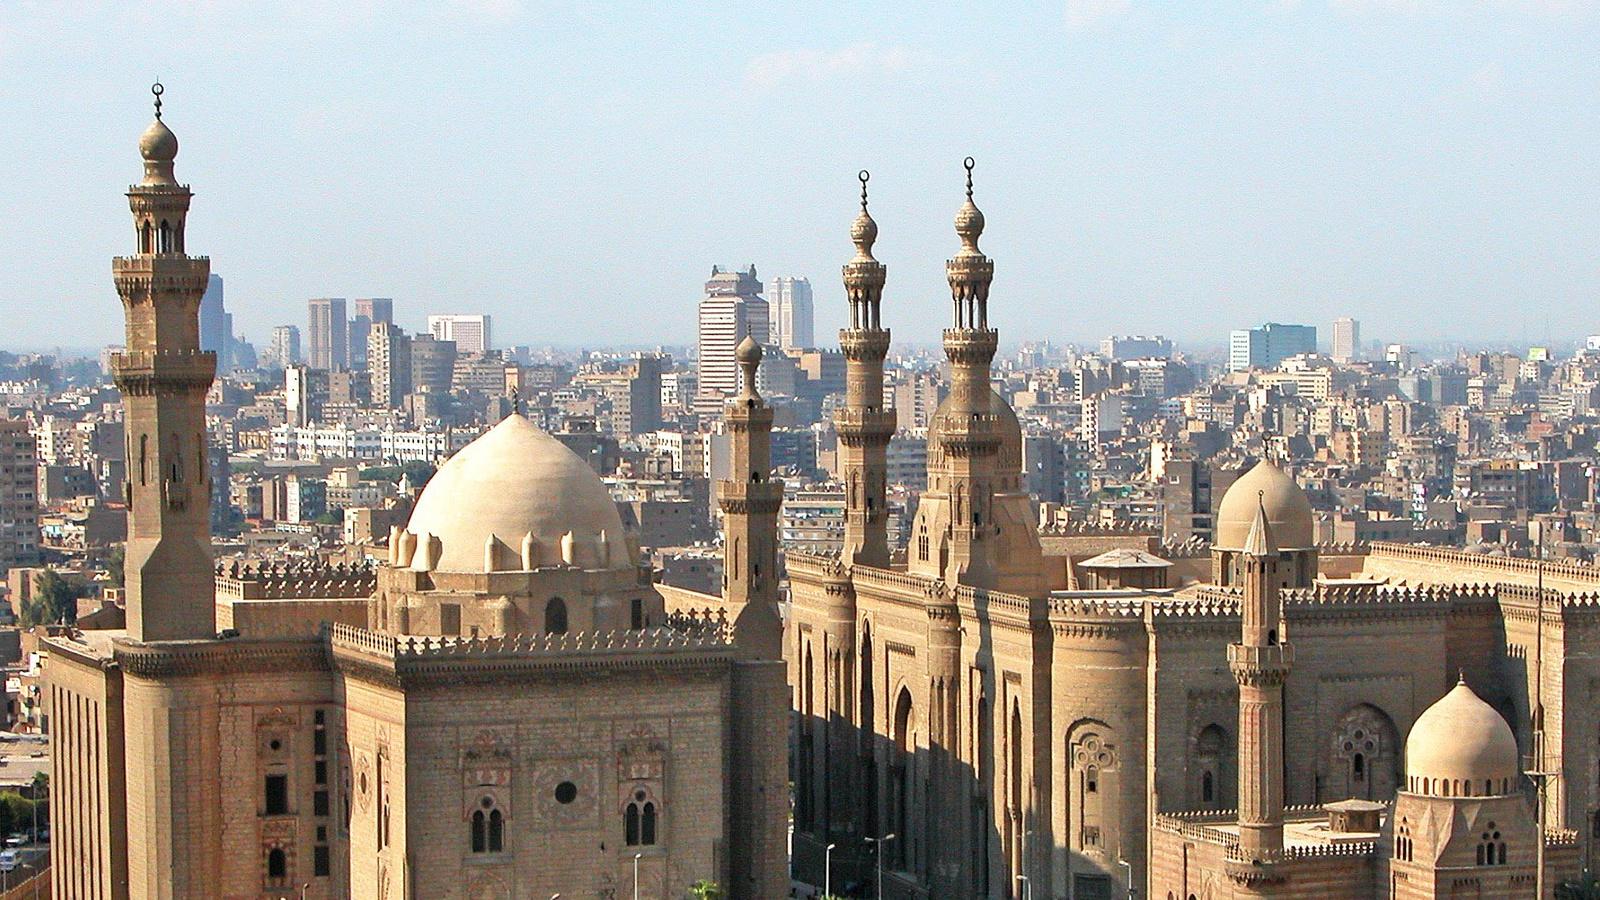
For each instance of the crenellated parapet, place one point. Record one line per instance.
(274, 581)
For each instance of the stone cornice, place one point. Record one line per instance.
(234, 656)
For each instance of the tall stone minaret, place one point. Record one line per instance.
(1260, 663)
(759, 705)
(864, 424)
(164, 376)
(970, 441)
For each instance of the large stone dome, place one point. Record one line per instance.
(512, 482)
(1288, 510)
(1461, 747)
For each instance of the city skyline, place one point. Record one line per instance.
(1293, 161)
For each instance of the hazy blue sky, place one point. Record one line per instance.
(1429, 167)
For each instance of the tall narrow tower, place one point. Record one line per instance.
(969, 440)
(1260, 663)
(750, 500)
(864, 425)
(164, 375)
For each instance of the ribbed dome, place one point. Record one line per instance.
(158, 143)
(1288, 510)
(513, 481)
(1461, 746)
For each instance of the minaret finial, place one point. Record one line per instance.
(969, 162)
(157, 89)
(864, 231)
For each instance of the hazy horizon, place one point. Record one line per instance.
(1425, 167)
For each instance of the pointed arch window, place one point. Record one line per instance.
(640, 820)
(277, 865)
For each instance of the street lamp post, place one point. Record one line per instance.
(636, 858)
(827, 872)
(1128, 868)
(879, 842)
(1027, 887)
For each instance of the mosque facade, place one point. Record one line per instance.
(1010, 713)
(505, 708)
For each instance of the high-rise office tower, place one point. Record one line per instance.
(469, 333)
(1272, 343)
(389, 364)
(327, 334)
(1346, 340)
(789, 300)
(732, 310)
(285, 347)
(214, 327)
(164, 377)
(366, 312)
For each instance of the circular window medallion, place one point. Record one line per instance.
(566, 792)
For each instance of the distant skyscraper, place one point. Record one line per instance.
(366, 312)
(1136, 346)
(285, 347)
(328, 334)
(1346, 340)
(731, 311)
(214, 320)
(789, 302)
(433, 362)
(389, 364)
(1272, 343)
(470, 333)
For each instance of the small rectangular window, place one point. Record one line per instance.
(322, 771)
(319, 743)
(320, 717)
(319, 803)
(321, 863)
(277, 795)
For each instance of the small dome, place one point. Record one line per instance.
(969, 224)
(748, 352)
(1461, 746)
(158, 143)
(863, 233)
(1288, 510)
(514, 481)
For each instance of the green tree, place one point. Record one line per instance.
(115, 565)
(55, 599)
(706, 889)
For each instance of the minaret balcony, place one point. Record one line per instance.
(971, 346)
(864, 344)
(750, 497)
(862, 427)
(1264, 665)
(142, 372)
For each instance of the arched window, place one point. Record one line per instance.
(1208, 793)
(639, 821)
(165, 245)
(1491, 849)
(497, 831)
(480, 832)
(1213, 759)
(555, 616)
(277, 864)
(1364, 762)
(1358, 766)
(145, 238)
